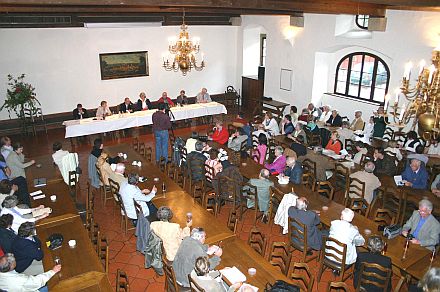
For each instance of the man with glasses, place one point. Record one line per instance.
(422, 228)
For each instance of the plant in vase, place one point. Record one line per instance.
(19, 95)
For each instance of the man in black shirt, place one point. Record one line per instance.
(79, 112)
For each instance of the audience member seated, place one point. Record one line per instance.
(343, 231)
(127, 106)
(270, 124)
(368, 131)
(263, 185)
(371, 181)
(203, 96)
(170, 233)
(380, 122)
(27, 250)
(286, 125)
(298, 132)
(7, 235)
(361, 150)
(384, 163)
(345, 132)
(15, 161)
(419, 155)
(293, 170)
(429, 282)
(190, 144)
(214, 162)
(392, 147)
(97, 149)
(260, 152)
(118, 174)
(434, 148)
(415, 175)
(6, 147)
(357, 124)
(334, 144)
(130, 191)
(18, 184)
(236, 139)
(435, 186)
(422, 227)
(256, 134)
(294, 114)
(196, 161)
(104, 167)
(299, 147)
(313, 110)
(143, 103)
(207, 279)
(12, 281)
(10, 207)
(304, 117)
(191, 248)
(411, 141)
(79, 112)
(335, 119)
(6, 189)
(103, 110)
(182, 99)
(279, 163)
(310, 219)
(325, 115)
(220, 134)
(58, 154)
(373, 256)
(166, 100)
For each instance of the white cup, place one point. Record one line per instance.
(72, 243)
(53, 198)
(125, 156)
(252, 271)
(139, 164)
(134, 163)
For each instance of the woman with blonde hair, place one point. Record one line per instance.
(104, 167)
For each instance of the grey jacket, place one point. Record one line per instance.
(93, 173)
(142, 234)
(16, 164)
(235, 143)
(311, 220)
(153, 253)
(428, 234)
(186, 256)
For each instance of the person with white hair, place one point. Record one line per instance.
(263, 185)
(191, 248)
(335, 119)
(422, 228)
(371, 181)
(357, 124)
(415, 175)
(117, 174)
(293, 170)
(326, 113)
(343, 231)
(279, 163)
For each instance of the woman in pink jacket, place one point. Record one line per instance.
(279, 163)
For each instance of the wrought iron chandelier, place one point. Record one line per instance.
(422, 101)
(182, 52)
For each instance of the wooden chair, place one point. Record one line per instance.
(232, 221)
(249, 192)
(326, 189)
(257, 241)
(393, 200)
(171, 170)
(227, 192)
(340, 177)
(103, 252)
(73, 183)
(309, 166)
(141, 148)
(90, 204)
(275, 200)
(384, 217)
(148, 154)
(280, 256)
(170, 277)
(357, 203)
(337, 286)
(334, 258)
(306, 278)
(364, 159)
(135, 144)
(193, 285)
(103, 189)
(314, 140)
(122, 283)
(308, 180)
(95, 236)
(124, 217)
(374, 275)
(298, 240)
(349, 146)
(114, 188)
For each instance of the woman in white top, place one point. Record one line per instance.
(58, 153)
(368, 130)
(103, 110)
(434, 147)
(270, 124)
(294, 114)
(326, 113)
(411, 142)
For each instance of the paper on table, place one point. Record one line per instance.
(233, 275)
(36, 193)
(245, 285)
(398, 180)
(39, 197)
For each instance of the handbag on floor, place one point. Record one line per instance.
(281, 286)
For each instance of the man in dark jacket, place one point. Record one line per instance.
(298, 146)
(196, 162)
(127, 106)
(384, 164)
(335, 119)
(26, 247)
(293, 170)
(80, 112)
(7, 235)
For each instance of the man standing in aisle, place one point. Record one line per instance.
(203, 96)
(161, 125)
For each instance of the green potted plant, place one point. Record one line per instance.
(20, 95)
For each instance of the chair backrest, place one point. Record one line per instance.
(98, 170)
(374, 275)
(394, 200)
(232, 221)
(73, 179)
(280, 256)
(334, 253)
(356, 187)
(358, 203)
(120, 203)
(141, 148)
(228, 188)
(257, 241)
(337, 286)
(114, 187)
(297, 235)
(103, 252)
(309, 166)
(249, 192)
(326, 189)
(243, 145)
(196, 167)
(308, 179)
(306, 278)
(193, 285)
(138, 208)
(148, 154)
(384, 217)
(122, 283)
(170, 277)
(135, 143)
(341, 175)
(209, 173)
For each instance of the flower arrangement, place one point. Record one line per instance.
(19, 95)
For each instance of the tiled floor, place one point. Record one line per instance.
(123, 253)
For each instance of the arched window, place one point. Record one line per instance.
(362, 21)
(362, 75)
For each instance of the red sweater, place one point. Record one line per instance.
(221, 136)
(169, 101)
(335, 147)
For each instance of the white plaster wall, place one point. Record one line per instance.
(410, 35)
(63, 64)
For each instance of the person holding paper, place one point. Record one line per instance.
(191, 248)
(415, 175)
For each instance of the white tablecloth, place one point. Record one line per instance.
(76, 128)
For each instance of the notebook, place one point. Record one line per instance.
(39, 182)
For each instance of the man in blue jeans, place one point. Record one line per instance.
(161, 125)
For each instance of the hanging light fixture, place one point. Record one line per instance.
(182, 52)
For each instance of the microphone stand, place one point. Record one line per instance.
(172, 117)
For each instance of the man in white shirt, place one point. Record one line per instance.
(103, 110)
(58, 153)
(12, 281)
(190, 144)
(203, 96)
(6, 146)
(130, 191)
(345, 232)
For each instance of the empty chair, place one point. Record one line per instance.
(308, 180)
(394, 200)
(103, 252)
(305, 278)
(309, 166)
(326, 189)
(337, 286)
(122, 283)
(135, 143)
(340, 177)
(383, 217)
(250, 193)
(232, 221)
(257, 241)
(280, 256)
(35, 118)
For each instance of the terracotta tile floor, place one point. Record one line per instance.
(122, 247)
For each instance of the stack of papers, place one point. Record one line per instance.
(233, 275)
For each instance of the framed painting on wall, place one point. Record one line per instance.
(286, 79)
(123, 65)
